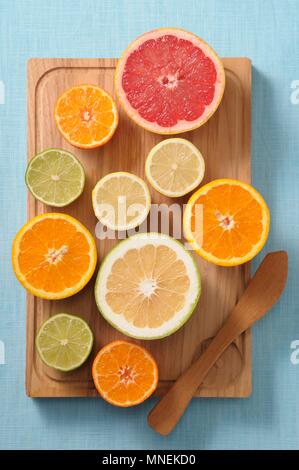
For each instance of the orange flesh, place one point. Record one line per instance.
(124, 374)
(86, 116)
(232, 221)
(53, 255)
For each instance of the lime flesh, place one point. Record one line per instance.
(55, 177)
(64, 342)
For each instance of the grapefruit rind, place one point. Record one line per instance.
(69, 291)
(234, 261)
(181, 126)
(120, 323)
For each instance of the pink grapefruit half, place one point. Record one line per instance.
(169, 81)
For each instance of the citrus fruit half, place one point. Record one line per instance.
(124, 374)
(54, 256)
(86, 116)
(121, 200)
(64, 342)
(148, 286)
(227, 222)
(169, 81)
(174, 167)
(55, 177)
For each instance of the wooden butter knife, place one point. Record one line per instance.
(262, 292)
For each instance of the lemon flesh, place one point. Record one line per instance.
(174, 167)
(121, 201)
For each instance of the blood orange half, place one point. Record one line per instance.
(169, 81)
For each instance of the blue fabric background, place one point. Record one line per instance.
(267, 32)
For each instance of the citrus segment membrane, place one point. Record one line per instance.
(55, 177)
(169, 81)
(235, 224)
(124, 374)
(148, 286)
(54, 256)
(64, 342)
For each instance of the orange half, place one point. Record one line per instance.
(86, 116)
(124, 374)
(54, 256)
(227, 222)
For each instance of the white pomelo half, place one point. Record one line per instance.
(148, 286)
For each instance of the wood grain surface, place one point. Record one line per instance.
(225, 144)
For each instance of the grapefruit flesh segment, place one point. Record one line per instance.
(170, 81)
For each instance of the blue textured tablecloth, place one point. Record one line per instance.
(267, 32)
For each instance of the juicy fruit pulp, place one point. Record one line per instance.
(86, 115)
(170, 81)
(227, 222)
(64, 342)
(55, 177)
(121, 200)
(174, 167)
(124, 374)
(54, 256)
(148, 286)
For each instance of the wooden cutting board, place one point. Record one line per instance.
(225, 144)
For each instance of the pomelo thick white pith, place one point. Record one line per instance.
(148, 286)
(169, 81)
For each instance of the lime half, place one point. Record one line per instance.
(55, 177)
(64, 342)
